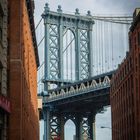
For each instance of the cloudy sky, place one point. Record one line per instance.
(97, 7)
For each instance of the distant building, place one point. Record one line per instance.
(125, 89)
(4, 102)
(22, 71)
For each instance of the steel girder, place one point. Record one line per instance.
(53, 52)
(84, 57)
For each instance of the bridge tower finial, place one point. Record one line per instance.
(77, 11)
(47, 9)
(88, 13)
(59, 10)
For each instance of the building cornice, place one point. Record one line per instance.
(136, 20)
(30, 9)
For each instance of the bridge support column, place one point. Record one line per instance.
(91, 123)
(56, 126)
(94, 130)
(46, 116)
(78, 127)
(62, 123)
(85, 127)
(77, 53)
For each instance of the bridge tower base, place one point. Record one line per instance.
(54, 123)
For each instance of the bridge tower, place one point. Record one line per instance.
(57, 25)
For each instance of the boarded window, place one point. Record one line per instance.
(138, 38)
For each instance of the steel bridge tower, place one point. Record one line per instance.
(56, 26)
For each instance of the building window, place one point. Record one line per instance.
(129, 42)
(138, 38)
(1, 22)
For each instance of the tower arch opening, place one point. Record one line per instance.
(69, 130)
(69, 55)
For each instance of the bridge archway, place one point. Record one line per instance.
(69, 130)
(69, 54)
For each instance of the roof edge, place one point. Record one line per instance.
(30, 9)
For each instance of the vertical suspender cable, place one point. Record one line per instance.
(112, 57)
(67, 56)
(119, 45)
(109, 46)
(102, 45)
(103, 58)
(124, 43)
(71, 53)
(105, 31)
(96, 51)
(99, 41)
(127, 38)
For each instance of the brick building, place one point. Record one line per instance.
(125, 89)
(4, 102)
(22, 71)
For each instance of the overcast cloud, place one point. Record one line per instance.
(97, 7)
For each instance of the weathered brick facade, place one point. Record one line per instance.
(3, 45)
(23, 63)
(4, 103)
(125, 90)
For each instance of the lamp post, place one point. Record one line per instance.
(106, 127)
(116, 130)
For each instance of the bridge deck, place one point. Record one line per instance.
(93, 92)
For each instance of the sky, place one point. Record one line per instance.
(97, 7)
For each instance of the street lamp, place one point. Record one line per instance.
(115, 130)
(106, 127)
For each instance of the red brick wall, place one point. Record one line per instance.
(125, 93)
(24, 122)
(136, 60)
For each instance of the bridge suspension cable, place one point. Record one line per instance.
(115, 18)
(38, 23)
(41, 41)
(113, 21)
(109, 47)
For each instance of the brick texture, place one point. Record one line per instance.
(125, 91)
(23, 121)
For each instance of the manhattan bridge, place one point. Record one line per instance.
(79, 54)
